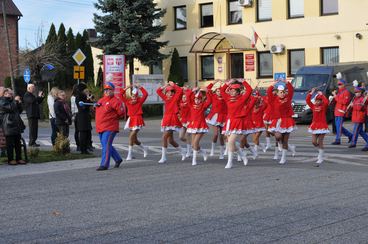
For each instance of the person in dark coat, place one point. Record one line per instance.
(31, 103)
(12, 126)
(83, 118)
(63, 114)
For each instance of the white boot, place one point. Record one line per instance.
(229, 164)
(222, 149)
(129, 157)
(279, 146)
(194, 158)
(204, 154)
(292, 149)
(254, 152)
(182, 152)
(321, 156)
(283, 156)
(263, 146)
(213, 145)
(226, 149)
(243, 156)
(189, 149)
(144, 149)
(268, 143)
(163, 155)
(239, 159)
(276, 155)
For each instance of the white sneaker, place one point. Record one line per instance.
(229, 164)
(283, 157)
(292, 149)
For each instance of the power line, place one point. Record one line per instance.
(62, 2)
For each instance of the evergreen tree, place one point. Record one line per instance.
(88, 63)
(78, 41)
(176, 74)
(127, 27)
(52, 37)
(70, 42)
(99, 77)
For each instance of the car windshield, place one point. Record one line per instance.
(306, 82)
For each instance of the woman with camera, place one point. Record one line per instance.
(12, 125)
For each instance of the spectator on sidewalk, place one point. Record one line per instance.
(63, 114)
(74, 109)
(12, 126)
(32, 107)
(50, 102)
(83, 118)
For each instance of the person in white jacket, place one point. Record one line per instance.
(50, 103)
(74, 109)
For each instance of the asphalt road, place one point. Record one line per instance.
(144, 202)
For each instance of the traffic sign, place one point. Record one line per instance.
(280, 76)
(79, 57)
(27, 75)
(79, 72)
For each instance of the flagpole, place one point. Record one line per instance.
(264, 45)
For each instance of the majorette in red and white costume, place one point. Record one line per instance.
(234, 123)
(282, 120)
(170, 120)
(134, 105)
(171, 95)
(217, 115)
(258, 112)
(235, 102)
(197, 120)
(319, 126)
(184, 108)
(319, 122)
(135, 121)
(197, 125)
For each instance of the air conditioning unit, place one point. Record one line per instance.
(277, 48)
(245, 3)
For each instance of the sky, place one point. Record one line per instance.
(40, 14)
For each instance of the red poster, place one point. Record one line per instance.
(249, 62)
(114, 71)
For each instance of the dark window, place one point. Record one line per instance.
(330, 55)
(265, 65)
(237, 65)
(207, 67)
(264, 10)
(296, 60)
(235, 12)
(156, 69)
(206, 15)
(329, 7)
(296, 9)
(184, 67)
(180, 17)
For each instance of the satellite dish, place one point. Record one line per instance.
(48, 73)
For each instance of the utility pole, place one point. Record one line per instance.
(8, 46)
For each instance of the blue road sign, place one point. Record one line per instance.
(280, 76)
(27, 75)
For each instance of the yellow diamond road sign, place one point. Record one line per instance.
(79, 57)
